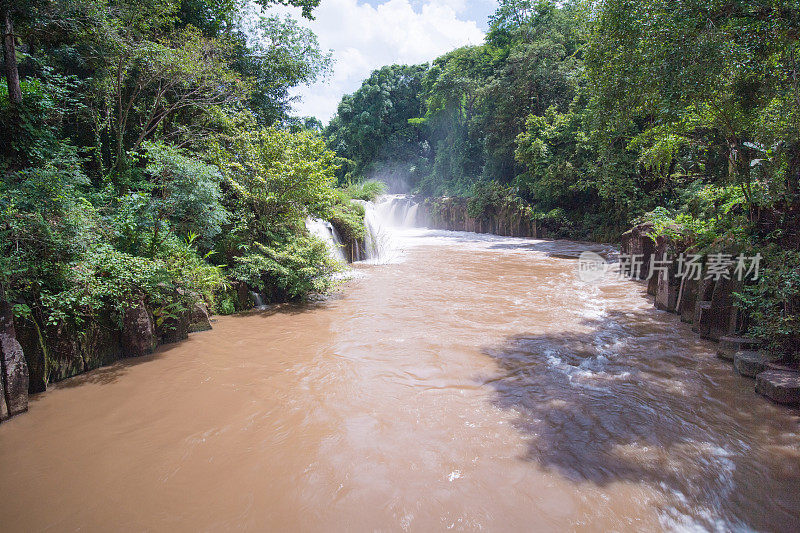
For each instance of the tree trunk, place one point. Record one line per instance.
(10, 54)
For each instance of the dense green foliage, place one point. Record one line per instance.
(152, 159)
(601, 114)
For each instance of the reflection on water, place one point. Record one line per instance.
(475, 383)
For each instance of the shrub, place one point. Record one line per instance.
(286, 269)
(366, 190)
(773, 303)
(348, 219)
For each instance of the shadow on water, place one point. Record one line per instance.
(106, 375)
(628, 399)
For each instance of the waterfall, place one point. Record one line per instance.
(258, 302)
(383, 218)
(325, 232)
(410, 220)
(399, 211)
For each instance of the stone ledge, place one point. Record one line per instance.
(749, 363)
(729, 345)
(781, 386)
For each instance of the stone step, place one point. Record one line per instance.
(781, 386)
(749, 363)
(728, 346)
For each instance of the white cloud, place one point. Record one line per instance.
(364, 38)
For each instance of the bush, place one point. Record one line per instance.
(348, 219)
(366, 190)
(773, 303)
(286, 269)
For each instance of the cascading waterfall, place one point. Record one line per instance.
(399, 211)
(382, 219)
(258, 301)
(325, 232)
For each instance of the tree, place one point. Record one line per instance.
(277, 55)
(185, 72)
(10, 52)
(372, 128)
(698, 68)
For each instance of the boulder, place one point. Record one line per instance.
(28, 337)
(138, 332)
(723, 316)
(781, 386)
(174, 328)
(3, 404)
(705, 288)
(749, 363)
(15, 375)
(13, 367)
(200, 318)
(667, 290)
(701, 316)
(64, 354)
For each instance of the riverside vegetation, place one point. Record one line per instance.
(150, 162)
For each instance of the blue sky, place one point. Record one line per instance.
(367, 34)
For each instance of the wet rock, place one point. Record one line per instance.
(64, 354)
(452, 213)
(749, 363)
(13, 367)
(717, 316)
(34, 356)
(781, 386)
(3, 405)
(730, 344)
(138, 332)
(15, 375)
(200, 319)
(667, 290)
(701, 321)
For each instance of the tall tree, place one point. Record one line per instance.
(10, 51)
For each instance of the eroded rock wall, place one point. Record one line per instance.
(53, 353)
(452, 213)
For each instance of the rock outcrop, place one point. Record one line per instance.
(452, 213)
(638, 242)
(749, 363)
(174, 328)
(32, 356)
(13, 367)
(730, 345)
(200, 318)
(138, 331)
(709, 304)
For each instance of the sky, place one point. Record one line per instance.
(365, 35)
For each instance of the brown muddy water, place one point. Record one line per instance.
(477, 384)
